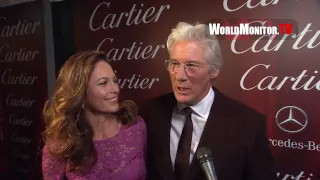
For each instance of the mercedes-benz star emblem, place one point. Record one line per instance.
(291, 115)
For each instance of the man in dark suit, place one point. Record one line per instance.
(198, 115)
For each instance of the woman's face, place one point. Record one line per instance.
(103, 90)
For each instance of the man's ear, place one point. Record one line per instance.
(214, 74)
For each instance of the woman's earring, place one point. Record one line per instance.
(82, 106)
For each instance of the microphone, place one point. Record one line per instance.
(206, 162)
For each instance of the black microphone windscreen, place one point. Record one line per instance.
(204, 154)
(206, 162)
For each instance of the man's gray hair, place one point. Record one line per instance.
(200, 33)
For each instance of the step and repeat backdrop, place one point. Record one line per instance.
(23, 89)
(279, 77)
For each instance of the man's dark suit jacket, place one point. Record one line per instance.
(234, 133)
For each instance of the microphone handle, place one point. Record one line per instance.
(209, 170)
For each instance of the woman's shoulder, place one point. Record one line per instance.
(138, 124)
(140, 121)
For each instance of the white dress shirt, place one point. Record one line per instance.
(199, 118)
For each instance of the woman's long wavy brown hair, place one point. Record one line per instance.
(68, 136)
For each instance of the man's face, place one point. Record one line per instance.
(190, 85)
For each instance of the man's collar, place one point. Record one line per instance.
(203, 107)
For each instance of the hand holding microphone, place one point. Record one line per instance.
(206, 162)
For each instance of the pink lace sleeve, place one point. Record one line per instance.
(52, 169)
(144, 132)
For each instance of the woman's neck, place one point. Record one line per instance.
(104, 126)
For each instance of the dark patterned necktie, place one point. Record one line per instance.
(181, 167)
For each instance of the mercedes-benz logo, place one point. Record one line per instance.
(288, 115)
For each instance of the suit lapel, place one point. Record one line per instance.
(215, 127)
(165, 165)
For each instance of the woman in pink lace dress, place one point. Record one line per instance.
(88, 135)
